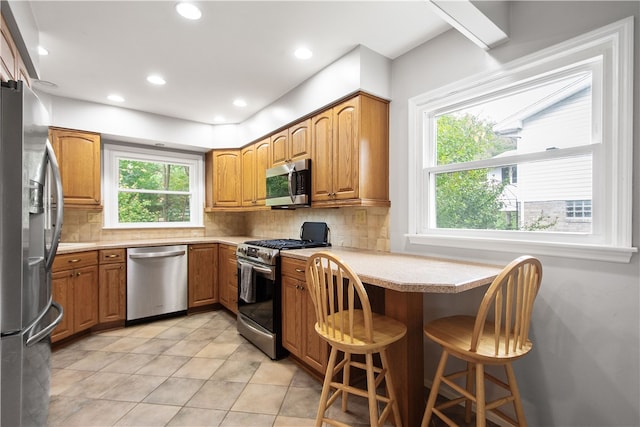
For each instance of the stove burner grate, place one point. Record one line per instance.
(284, 244)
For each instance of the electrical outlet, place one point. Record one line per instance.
(361, 217)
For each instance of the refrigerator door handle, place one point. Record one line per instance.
(37, 337)
(57, 232)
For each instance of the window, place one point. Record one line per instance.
(578, 209)
(535, 156)
(149, 188)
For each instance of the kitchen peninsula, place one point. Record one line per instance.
(397, 282)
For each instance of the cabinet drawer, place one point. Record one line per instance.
(108, 256)
(80, 259)
(293, 268)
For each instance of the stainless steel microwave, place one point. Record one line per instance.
(289, 185)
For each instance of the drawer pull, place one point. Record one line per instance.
(113, 256)
(299, 270)
(72, 261)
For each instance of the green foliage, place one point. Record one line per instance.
(466, 199)
(155, 206)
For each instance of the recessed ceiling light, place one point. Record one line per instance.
(240, 103)
(42, 51)
(188, 10)
(303, 53)
(115, 98)
(218, 119)
(156, 80)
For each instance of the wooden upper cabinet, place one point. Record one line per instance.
(248, 155)
(8, 53)
(321, 170)
(78, 154)
(279, 147)
(224, 168)
(351, 154)
(291, 144)
(300, 140)
(263, 162)
(255, 161)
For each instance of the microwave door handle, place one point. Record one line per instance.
(290, 182)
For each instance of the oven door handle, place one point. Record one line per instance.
(258, 269)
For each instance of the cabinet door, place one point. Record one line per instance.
(315, 349)
(85, 297)
(300, 140)
(78, 156)
(203, 271)
(248, 156)
(62, 289)
(292, 316)
(280, 148)
(321, 170)
(263, 162)
(345, 149)
(232, 284)
(228, 277)
(112, 292)
(227, 167)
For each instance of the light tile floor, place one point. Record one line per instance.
(187, 371)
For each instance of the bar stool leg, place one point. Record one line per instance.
(433, 394)
(326, 386)
(391, 391)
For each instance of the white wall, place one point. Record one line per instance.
(359, 69)
(584, 368)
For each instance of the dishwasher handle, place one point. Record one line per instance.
(157, 254)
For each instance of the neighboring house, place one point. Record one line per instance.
(554, 192)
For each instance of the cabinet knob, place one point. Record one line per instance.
(78, 273)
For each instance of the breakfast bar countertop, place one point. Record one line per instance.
(409, 273)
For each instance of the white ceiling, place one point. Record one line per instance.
(239, 49)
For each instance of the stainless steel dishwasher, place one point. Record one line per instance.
(156, 281)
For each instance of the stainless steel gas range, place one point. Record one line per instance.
(259, 289)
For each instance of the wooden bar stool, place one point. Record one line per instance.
(497, 335)
(345, 321)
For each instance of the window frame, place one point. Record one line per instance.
(611, 236)
(112, 153)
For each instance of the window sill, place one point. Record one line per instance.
(566, 250)
(150, 226)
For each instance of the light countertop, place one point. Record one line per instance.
(409, 273)
(399, 272)
(65, 248)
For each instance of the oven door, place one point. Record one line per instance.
(257, 303)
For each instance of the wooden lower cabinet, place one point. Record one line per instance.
(298, 318)
(112, 295)
(203, 274)
(75, 287)
(228, 277)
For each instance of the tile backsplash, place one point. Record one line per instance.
(363, 228)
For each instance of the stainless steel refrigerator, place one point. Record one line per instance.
(30, 224)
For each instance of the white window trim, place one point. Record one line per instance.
(615, 43)
(112, 153)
